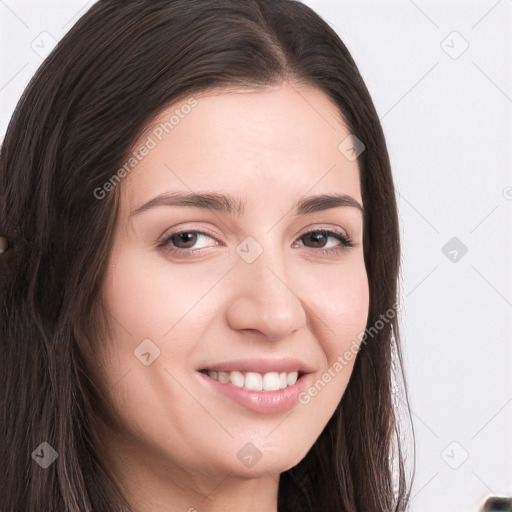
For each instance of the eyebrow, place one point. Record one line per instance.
(225, 203)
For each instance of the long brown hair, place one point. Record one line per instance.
(120, 65)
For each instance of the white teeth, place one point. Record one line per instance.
(223, 377)
(291, 378)
(271, 381)
(237, 379)
(253, 381)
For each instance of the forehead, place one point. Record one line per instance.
(282, 141)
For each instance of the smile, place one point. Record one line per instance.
(255, 391)
(254, 381)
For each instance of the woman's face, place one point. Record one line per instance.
(244, 289)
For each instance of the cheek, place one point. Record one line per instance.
(342, 307)
(149, 295)
(153, 307)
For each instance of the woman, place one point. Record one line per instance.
(200, 282)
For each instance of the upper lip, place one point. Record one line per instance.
(263, 366)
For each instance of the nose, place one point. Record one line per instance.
(265, 299)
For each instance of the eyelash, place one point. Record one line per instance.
(346, 242)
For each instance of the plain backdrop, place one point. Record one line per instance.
(440, 75)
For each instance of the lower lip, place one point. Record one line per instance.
(260, 401)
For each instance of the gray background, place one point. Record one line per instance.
(441, 78)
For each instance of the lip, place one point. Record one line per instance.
(260, 401)
(287, 364)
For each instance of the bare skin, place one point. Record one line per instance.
(181, 441)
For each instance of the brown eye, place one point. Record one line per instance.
(320, 239)
(184, 240)
(185, 243)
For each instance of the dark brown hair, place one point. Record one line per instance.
(112, 73)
